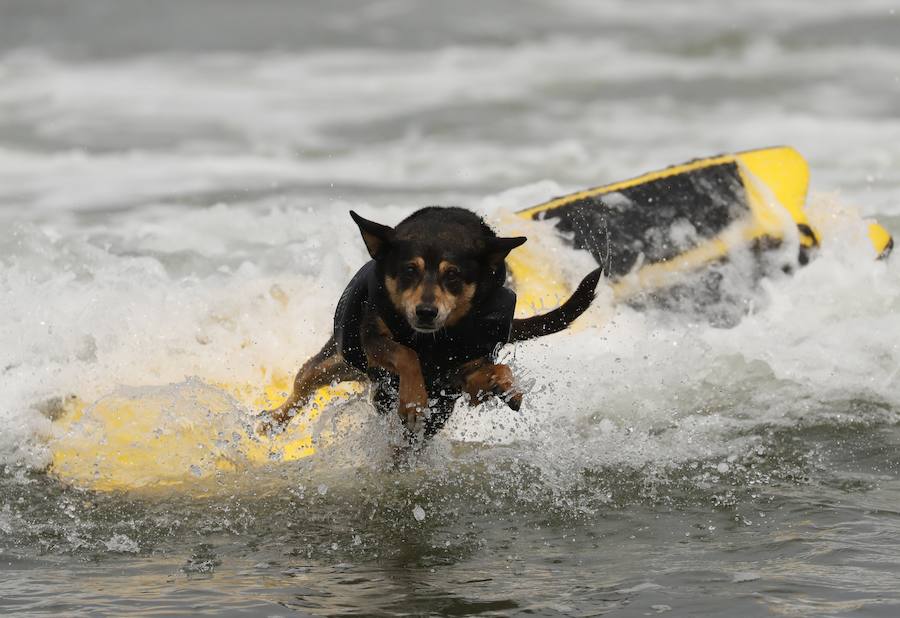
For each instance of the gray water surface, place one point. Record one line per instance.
(163, 165)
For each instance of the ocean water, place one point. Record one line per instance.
(174, 186)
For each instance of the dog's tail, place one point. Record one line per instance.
(560, 318)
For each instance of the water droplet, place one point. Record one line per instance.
(419, 513)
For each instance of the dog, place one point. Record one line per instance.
(423, 321)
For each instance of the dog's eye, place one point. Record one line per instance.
(410, 270)
(452, 275)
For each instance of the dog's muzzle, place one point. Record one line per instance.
(425, 318)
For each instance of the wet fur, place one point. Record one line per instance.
(440, 259)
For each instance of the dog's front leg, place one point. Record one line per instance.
(482, 378)
(382, 351)
(325, 367)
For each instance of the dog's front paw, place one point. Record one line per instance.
(513, 399)
(413, 403)
(496, 380)
(269, 423)
(413, 416)
(264, 425)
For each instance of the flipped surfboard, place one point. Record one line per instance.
(665, 224)
(654, 229)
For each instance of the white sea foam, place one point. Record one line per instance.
(115, 271)
(220, 292)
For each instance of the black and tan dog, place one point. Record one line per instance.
(425, 318)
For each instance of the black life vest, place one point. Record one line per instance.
(479, 334)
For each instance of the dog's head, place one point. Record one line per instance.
(435, 262)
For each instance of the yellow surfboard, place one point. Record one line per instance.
(722, 204)
(162, 436)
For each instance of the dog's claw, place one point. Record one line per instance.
(264, 424)
(514, 401)
(412, 417)
(267, 424)
(512, 397)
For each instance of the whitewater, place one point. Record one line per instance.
(174, 190)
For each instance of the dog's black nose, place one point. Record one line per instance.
(426, 313)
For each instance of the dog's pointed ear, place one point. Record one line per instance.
(497, 249)
(376, 236)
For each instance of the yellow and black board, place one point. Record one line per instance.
(664, 224)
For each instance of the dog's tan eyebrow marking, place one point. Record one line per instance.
(391, 284)
(444, 266)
